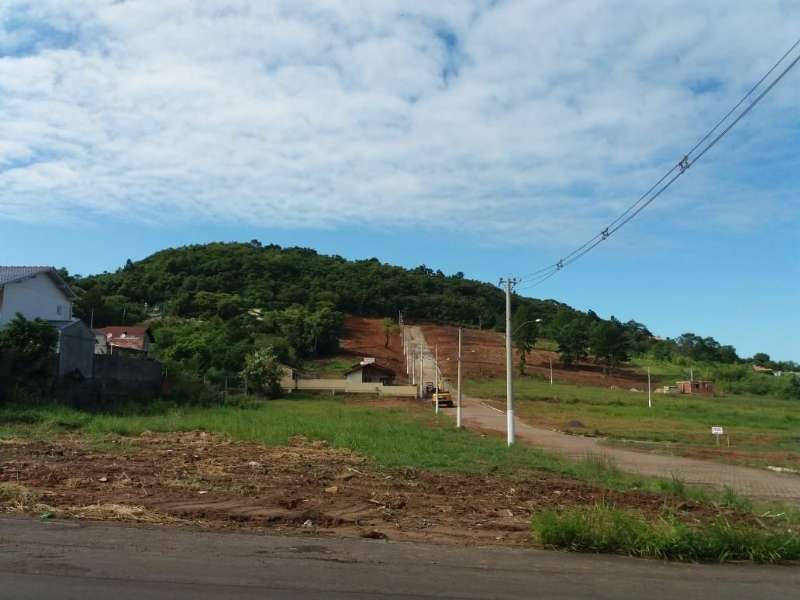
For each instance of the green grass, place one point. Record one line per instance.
(601, 528)
(392, 437)
(762, 428)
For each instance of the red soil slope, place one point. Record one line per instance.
(484, 356)
(365, 338)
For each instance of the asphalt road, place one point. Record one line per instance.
(67, 559)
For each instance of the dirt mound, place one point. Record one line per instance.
(207, 480)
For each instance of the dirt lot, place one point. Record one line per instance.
(483, 351)
(484, 356)
(203, 479)
(365, 337)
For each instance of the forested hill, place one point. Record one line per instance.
(211, 306)
(228, 279)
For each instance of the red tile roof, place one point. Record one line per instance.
(126, 336)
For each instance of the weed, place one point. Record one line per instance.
(17, 495)
(601, 528)
(733, 500)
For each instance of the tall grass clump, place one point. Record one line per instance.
(604, 529)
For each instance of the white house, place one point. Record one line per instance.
(35, 293)
(41, 293)
(369, 371)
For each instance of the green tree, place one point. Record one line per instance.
(389, 329)
(525, 330)
(761, 359)
(263, 372)
(28, 347)
(572, 335)
(610, 343)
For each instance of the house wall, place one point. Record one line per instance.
(124, 369)
(36, 297)
(355, 376)
(344, 386)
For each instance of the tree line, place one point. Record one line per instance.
(212, 305)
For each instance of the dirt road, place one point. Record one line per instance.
(58, 559)
(747, 481)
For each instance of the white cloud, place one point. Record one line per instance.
(514, 119)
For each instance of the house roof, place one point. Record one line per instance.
(126, 336)
(14, 274)
(372, 365)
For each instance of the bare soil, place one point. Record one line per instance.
(204, 479)
(364, 337)
(484, 356)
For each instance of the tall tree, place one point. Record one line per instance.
(609, 343)
(572, 335)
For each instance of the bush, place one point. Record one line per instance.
(263, 372)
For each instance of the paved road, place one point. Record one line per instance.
(65, 560)
(755, 483)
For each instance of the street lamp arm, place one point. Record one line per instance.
(521, 325)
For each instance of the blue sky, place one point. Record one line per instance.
(483, 137)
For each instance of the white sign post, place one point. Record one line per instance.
(716, 432)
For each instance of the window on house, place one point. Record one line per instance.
(58, 309)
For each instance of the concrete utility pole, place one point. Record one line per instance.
(436, 379)
(649, 392)
(510, 282)
(551, 370)
(421, 373)
(458, 392)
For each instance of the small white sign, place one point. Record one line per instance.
(717, 431)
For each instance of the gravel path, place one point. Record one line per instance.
(751, 482)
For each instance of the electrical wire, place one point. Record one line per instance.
(538, 277)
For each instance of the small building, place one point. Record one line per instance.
(133, 340)
(705, 388)
(369, 371)
(75, 348)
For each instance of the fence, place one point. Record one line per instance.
(343, 386)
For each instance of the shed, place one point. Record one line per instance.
(696, 387)
(75, 348)
(369, 371)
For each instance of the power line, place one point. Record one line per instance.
(537, 277)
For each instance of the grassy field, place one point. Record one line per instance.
(402, 435)
(763, 430)
(405, 434)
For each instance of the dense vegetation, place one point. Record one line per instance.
(212, 305)
(217, 303)
(26, 357)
